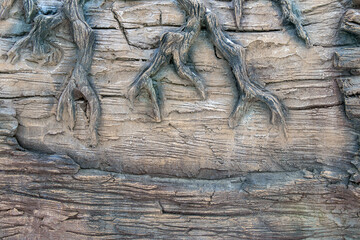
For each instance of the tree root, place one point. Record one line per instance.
(290, 13)
(78, 85)
(248, 90)
(174, 46)
(30, 7)
(38, 38)
(31, 10)
(238, 5)
(84, 39)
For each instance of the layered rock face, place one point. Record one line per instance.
(184, 119)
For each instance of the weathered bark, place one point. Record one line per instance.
(347, 58)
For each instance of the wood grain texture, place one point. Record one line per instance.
(193, 140)
(190, 176)
(49, 197)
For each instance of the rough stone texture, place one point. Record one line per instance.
(190, 176)
(63, 202)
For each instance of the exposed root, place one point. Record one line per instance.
(38, 39)
(248, 90)
(31, 9)
(174, 46)
(291, 14)
(238, 4)
(51, 53)
(84, 39)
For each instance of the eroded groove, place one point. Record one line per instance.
(320, 106)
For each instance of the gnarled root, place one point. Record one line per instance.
(291, 14)
(174, 46)
(78, 84)
(38, 38)
(238, 4)
(84, 39)
(31, 9)
(67, 100)
(44, 49)
(249, 91)
(144, 80)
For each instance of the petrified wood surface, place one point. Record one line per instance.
(191, 175)
(50, 197)
(194, 139)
